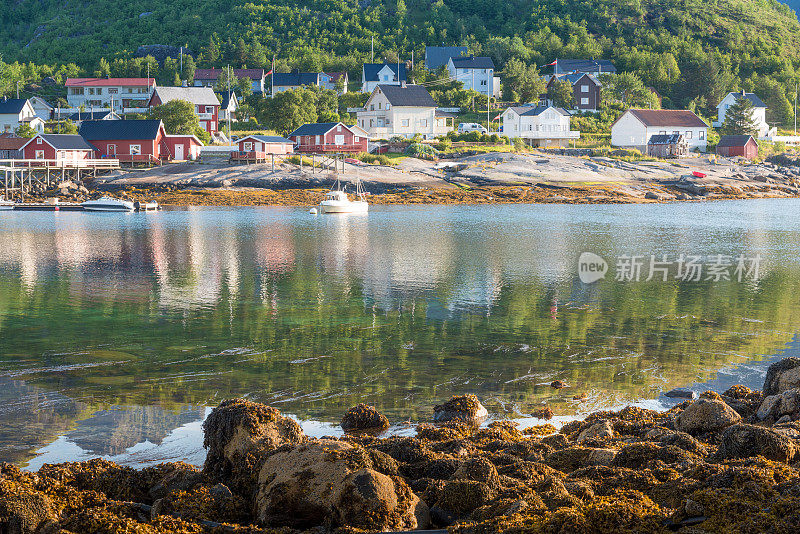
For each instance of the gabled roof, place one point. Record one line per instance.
(199, 96)
(13, 106)
(295, 79)
(371, 71)
(319, 128)
(120, 130)
(409, 95)
(531, 111)
(63, 141)
(437, 56)
(105, 82)
(667, 117)
(575, 77)
(271, 138)
(665, 139)
(336, 75)
(757, 102)
(734, 140)
(42, 101)
(213, 74)
(12, 143)
(226, 99)
(472, 62)
(92, 115)
(585, 65)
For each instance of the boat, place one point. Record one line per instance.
(108, 204)
(6, 204)
(337, 201)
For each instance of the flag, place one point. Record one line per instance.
(496, 118)
(268, 73)
(553, 64)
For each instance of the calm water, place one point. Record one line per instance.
(119, 332)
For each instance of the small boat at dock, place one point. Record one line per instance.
(108, 204)
(6, 204)
(337, 201)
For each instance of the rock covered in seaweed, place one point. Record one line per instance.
(782, 375)
(706, 415)
(744, 441)
(465, 408)
(363, 417)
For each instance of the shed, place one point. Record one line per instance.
(57, 147)
(737, 145)
(259, 145)
(667, 146)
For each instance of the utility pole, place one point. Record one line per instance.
(17, 88)
(181, 62)
(228, 111)
(372, 49)
(795, 109)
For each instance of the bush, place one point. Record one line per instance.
(379, 159)
(422, 151)
(519, 144)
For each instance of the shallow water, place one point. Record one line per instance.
(119, 331)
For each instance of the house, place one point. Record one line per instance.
(585, 89)
(10, 146)
(229, 103)
(258, 146)
(57, 147)
(42, 108)
(14, 112)
(438, 56)
(101, 115)
(206, 103)
(209, 77)
(374, 74)
(595, 67)
(737, 145)
(634, 128)
(285, 81)
(329, 137)
(404, 110)
(115, 93)
(476, 73)
(759, 111)
(332, 78)
(667, 146)
(139, 141)
(540, 126)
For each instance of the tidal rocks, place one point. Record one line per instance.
(545, 412)
(558, 384)
(775, 406)
(782, 375)
(364, 418)
(744, 441)
(706, 415)
(466, 408)
(680, 393)
(333, 482)
(601, 430)
(237, 435)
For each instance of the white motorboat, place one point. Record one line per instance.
(108, 204)
(337, 201)
(6, 204)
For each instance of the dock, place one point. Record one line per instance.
(73, 206)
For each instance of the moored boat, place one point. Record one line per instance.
(108, 204)
(337, 201)
(6, 204)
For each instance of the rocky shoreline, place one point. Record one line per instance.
(726, 462)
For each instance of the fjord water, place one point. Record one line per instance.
(118, 332)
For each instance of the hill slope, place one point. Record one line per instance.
(686, 49)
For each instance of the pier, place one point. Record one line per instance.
(19, 175)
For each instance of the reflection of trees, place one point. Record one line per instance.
(316, 316)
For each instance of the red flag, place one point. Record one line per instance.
(268, 73)
(553, 64)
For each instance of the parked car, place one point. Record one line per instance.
(464, 127)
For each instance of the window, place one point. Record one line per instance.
(112, 90)
(483, 82)
(136, 150)
(379, 105)
(338, 140)
(662, 132)
(248, 146)
(339, 128)
(76, 90)
(584, 88)
(356, 139)
(702, 135)
(404, 123)
(423, 123)
(688, 134)
(317, 139)
(38, 140)
(584, 101)
(385, 78)
(40, 154)
(209, 109)
(372, 107)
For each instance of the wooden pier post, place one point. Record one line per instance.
(273, 162)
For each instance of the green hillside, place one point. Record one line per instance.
(691, 51)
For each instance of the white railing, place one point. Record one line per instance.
(106, 163)
(562, 134)
(205, 115)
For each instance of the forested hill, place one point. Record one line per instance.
(689, 50)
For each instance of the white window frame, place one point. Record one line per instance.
(584, 88)
(247, 146)
(135, 149)
(585, 101)
(404, 123)
(688, 134)
(40, 154)
(38, 140)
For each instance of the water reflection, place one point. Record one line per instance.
(118, 332)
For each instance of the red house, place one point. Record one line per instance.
(261, 145)
(57, 147)
(206, 103)
(329, 137)
(135, 141)
(737, 145)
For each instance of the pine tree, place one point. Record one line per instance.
(739, 118)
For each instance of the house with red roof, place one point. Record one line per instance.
(209, 77)
(205, 101)
(329, 137)
(112, 93)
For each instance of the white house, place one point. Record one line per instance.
(114, 93)
(474, 73)
(541, 126)
(759, 111)
(634, 128)
(42, 108)
(15, 112)
(405, 111)
(374, 74)
(228, 106)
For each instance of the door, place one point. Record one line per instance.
(112, 150)
(179, 152)
(339, 140)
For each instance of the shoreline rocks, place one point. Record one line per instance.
(706, 465)
(362, 418)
